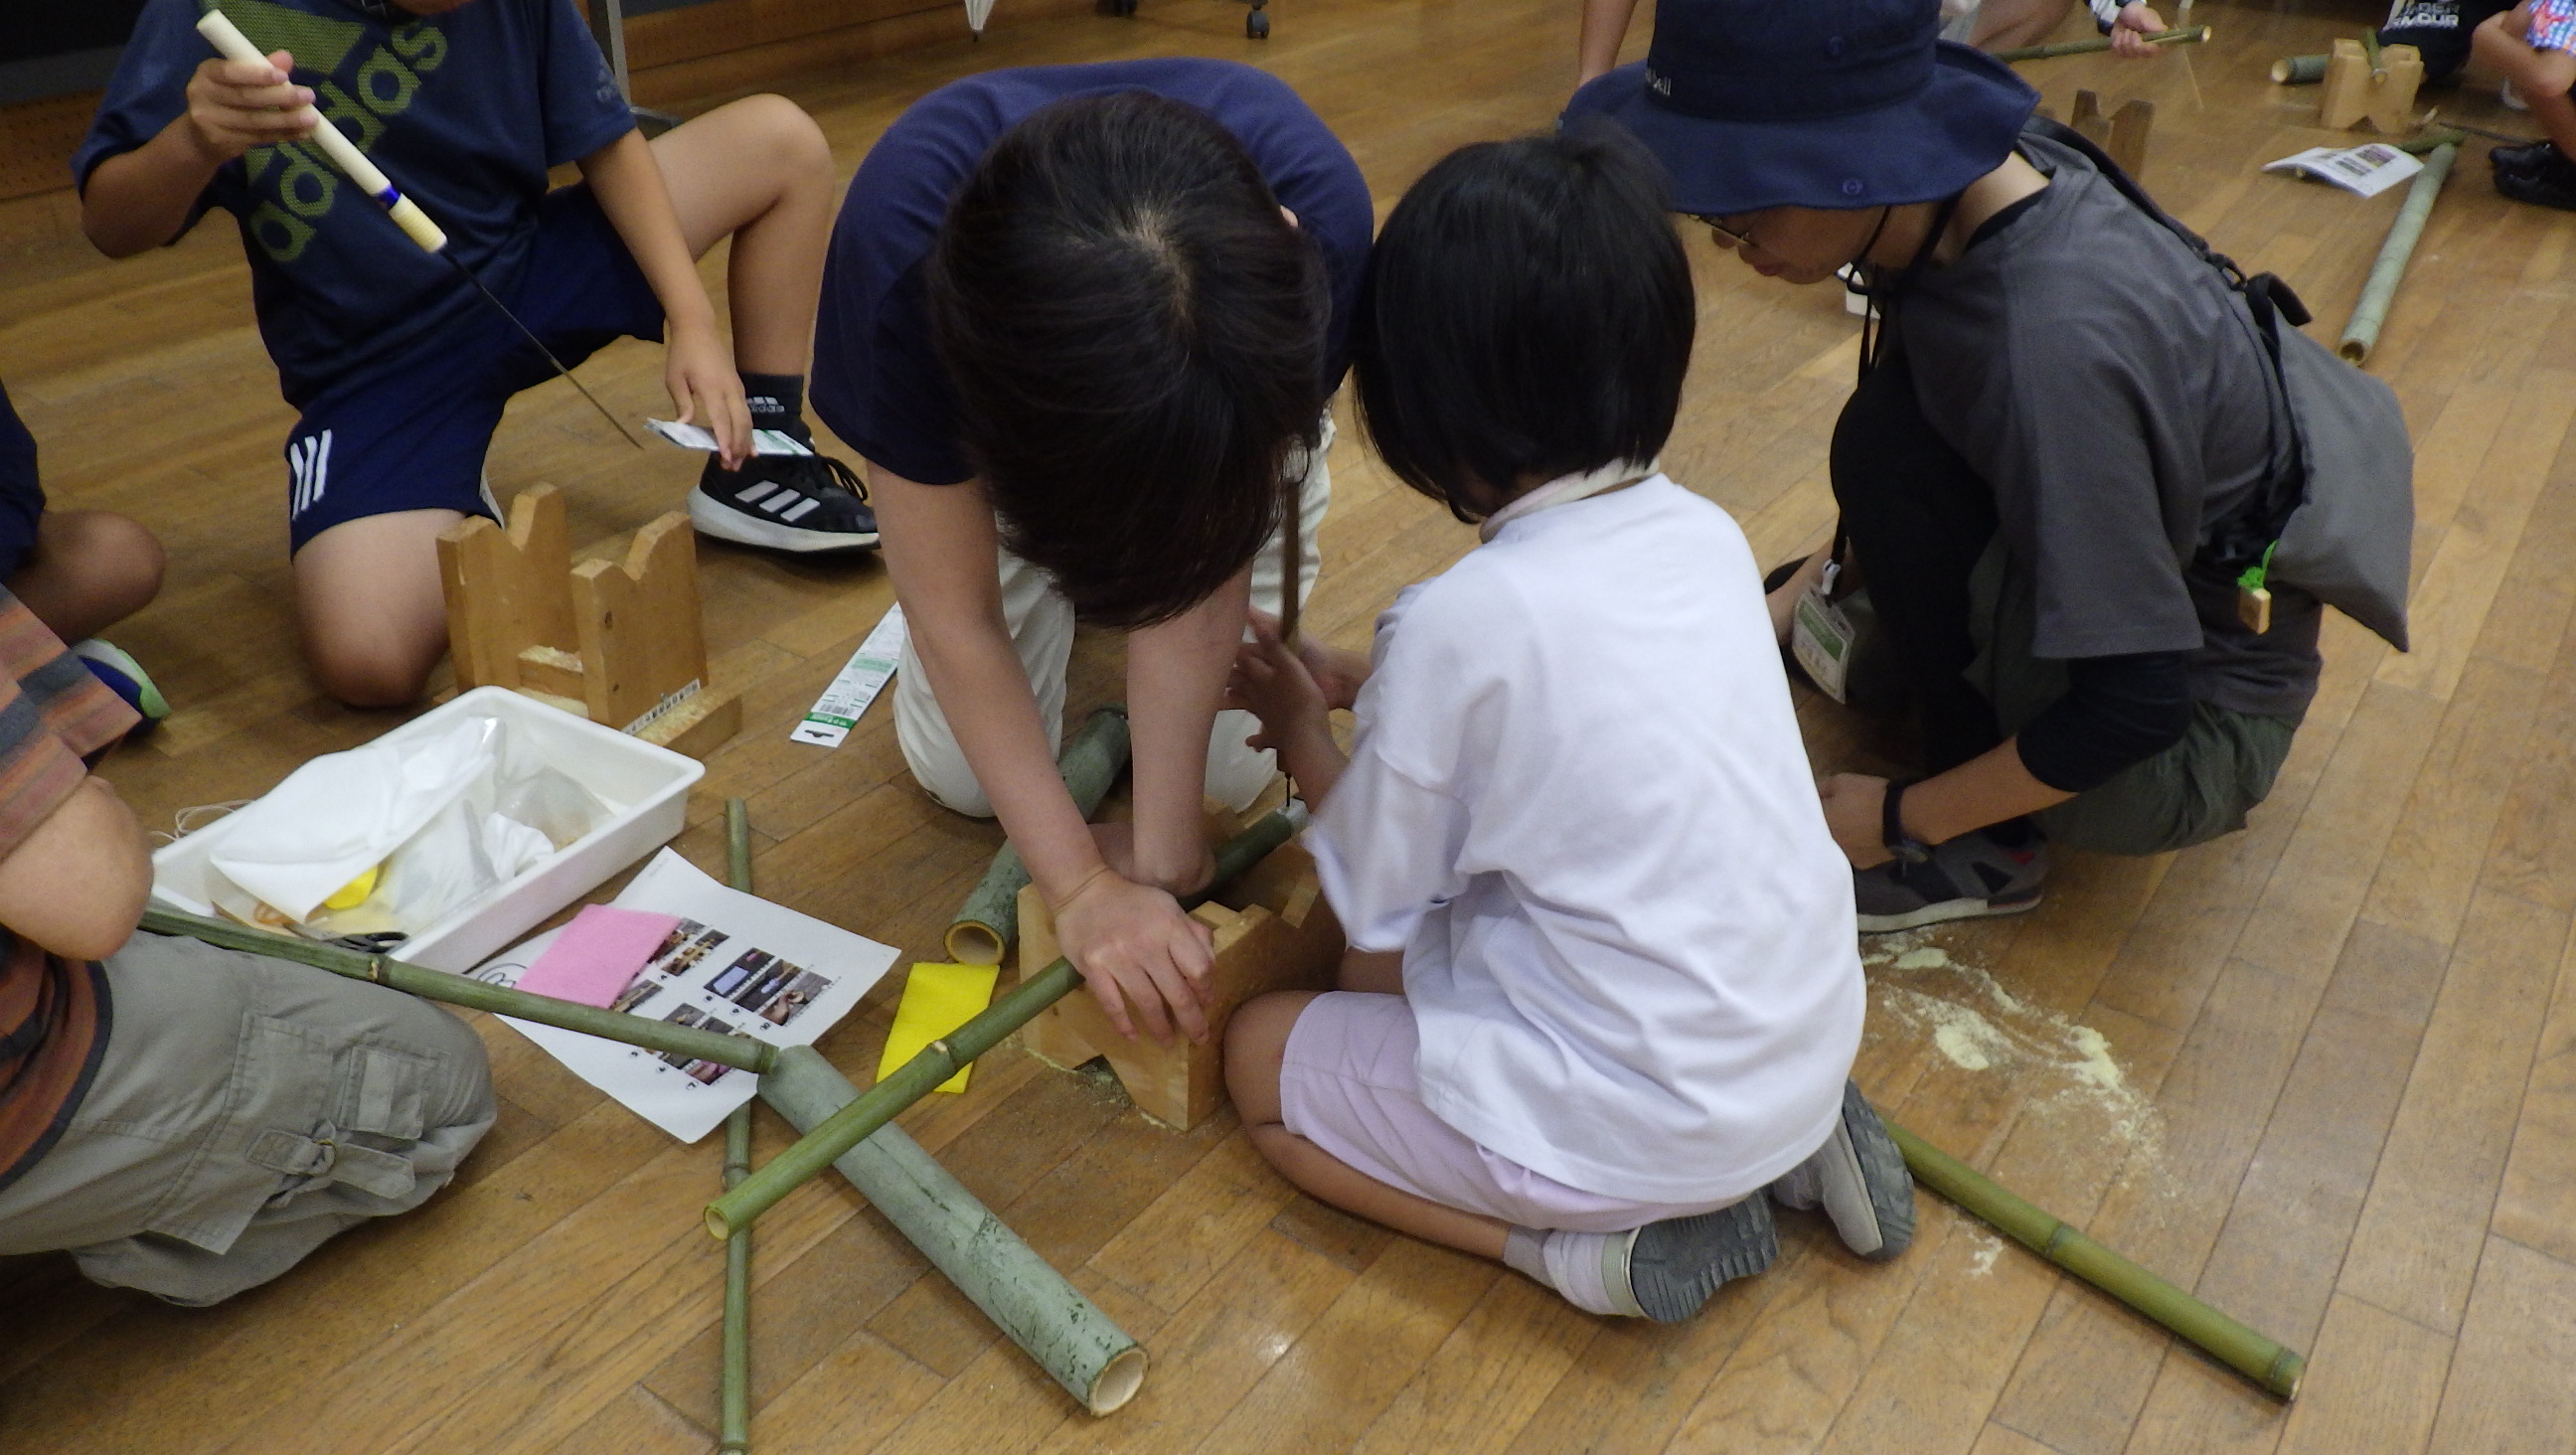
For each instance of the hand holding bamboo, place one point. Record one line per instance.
(2188, 35)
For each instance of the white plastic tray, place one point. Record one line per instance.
(645, 787)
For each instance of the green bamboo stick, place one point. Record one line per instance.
(1091, 760)
(733, 1421)
(1064, 1332)
(942, 1058)
(2370, 49)
(2188, 35)
(438, 985)
(2256, 1356)
(2298, 70)
(2361, 335)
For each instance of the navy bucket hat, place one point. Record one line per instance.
(1835, 104)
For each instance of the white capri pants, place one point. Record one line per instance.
(1041, 624)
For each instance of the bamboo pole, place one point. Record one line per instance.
(2189, 35)
(1064, 1332)
(2298, 70)
(2362, 333)
(438, 985)
(2256, 1356)
(733, 1420)
(942, 1058)
(990, 920)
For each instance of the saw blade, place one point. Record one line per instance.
(539, 345)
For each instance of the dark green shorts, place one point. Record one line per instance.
(2190, 793)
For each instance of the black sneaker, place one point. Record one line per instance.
(1859, 1178)
(801, 503)
(1666, 1270)
(1967, 878)
(2531, 156)
(2551, 184)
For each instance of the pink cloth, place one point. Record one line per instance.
(1346, 1084)
(597, 955)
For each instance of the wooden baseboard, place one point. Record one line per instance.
(37, 139)
(695, 54)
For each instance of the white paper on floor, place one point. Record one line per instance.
(735, 964)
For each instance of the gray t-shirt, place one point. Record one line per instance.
(2114, 392)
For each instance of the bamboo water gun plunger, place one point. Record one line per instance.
(226, 37)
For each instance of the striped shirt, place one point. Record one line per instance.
(53, 1012)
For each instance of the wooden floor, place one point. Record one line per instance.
(2323, 1071)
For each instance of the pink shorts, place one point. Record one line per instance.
(1346, 1084)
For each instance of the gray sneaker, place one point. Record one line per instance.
(1969, 877)
(1859, 1178)
(1666, 1270)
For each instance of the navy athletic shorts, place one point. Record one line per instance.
(22, 498)
(412, 435)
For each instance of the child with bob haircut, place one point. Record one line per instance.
(1603, 989)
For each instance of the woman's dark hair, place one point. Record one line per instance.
(1528, 314)
(1136, 337)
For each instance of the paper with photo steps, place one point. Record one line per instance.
(2365, 170)
(827, 724)
(690, 437)
(770, 960)
(937, 999)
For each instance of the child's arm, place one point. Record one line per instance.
(1605, 25)
(77, 884)
(1282, 688)
(698, 369)
(139, 200)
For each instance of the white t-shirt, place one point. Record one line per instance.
(1579, 804)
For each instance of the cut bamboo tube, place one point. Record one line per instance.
(545, 1010)
(2361, 335)
(936, 1062)
(2189, 35)
(2256, 1356)
(1050, 1319)
(2298, 70)
(733, 1420)
(1091, 760)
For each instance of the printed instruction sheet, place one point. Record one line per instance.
(735, 964)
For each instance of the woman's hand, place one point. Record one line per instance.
(2130, 29)
(1855, 810)
(699, 372)
(1142, 957)
(1276, 685)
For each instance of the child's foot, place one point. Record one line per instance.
(2551, 183)
(2528, 157)
(1969, 877)
(1662, 1271)
(126, 678)
(1859, 1178)
(801, 503)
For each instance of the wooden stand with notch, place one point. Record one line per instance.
(1273, 932)
(2121, 134)
(617, 642)
(2357, 91)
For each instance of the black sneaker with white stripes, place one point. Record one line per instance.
(802, 503)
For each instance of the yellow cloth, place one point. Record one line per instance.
(937, 999)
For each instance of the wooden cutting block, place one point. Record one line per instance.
(1273, 932)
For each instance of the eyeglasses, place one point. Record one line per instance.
(1734, 237)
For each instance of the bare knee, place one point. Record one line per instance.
(1256, 1045)
(792, 143)
(366, 673)
(90, 570)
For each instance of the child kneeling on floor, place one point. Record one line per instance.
(1603, 989)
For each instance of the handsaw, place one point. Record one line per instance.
(226, 37)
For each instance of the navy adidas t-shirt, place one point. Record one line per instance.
(878, 381)
(464, 111)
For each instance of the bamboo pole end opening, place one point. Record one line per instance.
(1117, 1381)
(2288, 1372)
(2354, 350)
(970, 942)
(718, 1226)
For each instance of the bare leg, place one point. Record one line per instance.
(374, 615)
(758, 170)
(90, 570)
(2540, 77)
(1255, 1041)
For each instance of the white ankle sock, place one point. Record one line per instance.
(1569, 1263)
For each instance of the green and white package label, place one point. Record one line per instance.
(870, 667)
